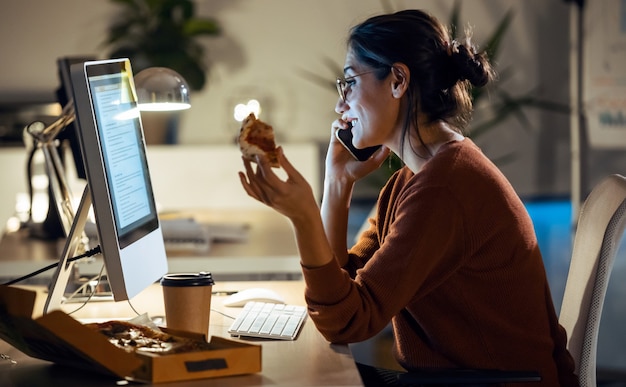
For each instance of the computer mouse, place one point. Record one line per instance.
(253, 294)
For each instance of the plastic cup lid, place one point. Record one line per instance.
(188, 279)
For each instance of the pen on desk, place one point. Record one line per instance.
(224, 292)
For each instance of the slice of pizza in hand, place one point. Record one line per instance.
(257, 138)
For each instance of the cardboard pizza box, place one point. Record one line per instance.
(59, 338)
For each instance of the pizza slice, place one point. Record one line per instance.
(257, 138)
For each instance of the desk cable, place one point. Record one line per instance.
(98, 277)
(93, 291)
(223, 314)
(89, 253)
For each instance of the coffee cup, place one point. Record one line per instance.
(187, 298)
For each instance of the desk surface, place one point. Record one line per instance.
(269, 252)
(309, 360)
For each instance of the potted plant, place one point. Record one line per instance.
(162, 33)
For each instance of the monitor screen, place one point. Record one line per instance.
(114, 154)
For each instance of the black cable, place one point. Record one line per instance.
(89, 253)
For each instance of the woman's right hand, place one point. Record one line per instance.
(341, 165)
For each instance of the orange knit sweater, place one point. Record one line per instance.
(451, 259)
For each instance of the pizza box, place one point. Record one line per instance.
(61, 339)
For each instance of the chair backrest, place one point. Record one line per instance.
(600, 229)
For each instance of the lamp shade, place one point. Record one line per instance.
(161, 89)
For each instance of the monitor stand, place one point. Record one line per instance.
(74, 240)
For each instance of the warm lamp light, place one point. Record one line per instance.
(161, 89)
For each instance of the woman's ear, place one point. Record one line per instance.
(400, 77)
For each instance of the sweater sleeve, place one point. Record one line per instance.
(413, 258)
(367, 244)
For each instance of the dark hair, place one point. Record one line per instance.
(442, 71)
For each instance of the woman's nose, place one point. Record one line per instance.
(341, 106)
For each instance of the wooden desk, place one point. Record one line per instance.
(268, 253)
(309, 360)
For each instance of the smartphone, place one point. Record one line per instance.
(345, 138)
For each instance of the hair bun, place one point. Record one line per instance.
(470, 65)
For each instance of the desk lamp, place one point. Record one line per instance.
(161, 94)
(161, 89)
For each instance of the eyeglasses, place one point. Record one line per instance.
(344, 84)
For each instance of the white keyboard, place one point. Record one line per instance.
(269, 321)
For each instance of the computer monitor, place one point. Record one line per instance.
(118, 179)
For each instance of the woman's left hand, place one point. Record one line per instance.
(292, 197)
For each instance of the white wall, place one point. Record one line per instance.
(13, 182)
(189, 177)
(185, 177)
(266, 43)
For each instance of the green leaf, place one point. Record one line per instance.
(195, 27)
(493, 43)
(185, 9)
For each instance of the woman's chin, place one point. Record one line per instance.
(360, 145)
(357, 143)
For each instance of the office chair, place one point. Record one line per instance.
(600, 228)
(601, 225)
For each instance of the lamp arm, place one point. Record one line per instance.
(45, 134)
(45, 138)
(61, 192)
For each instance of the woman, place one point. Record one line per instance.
(450, 258)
